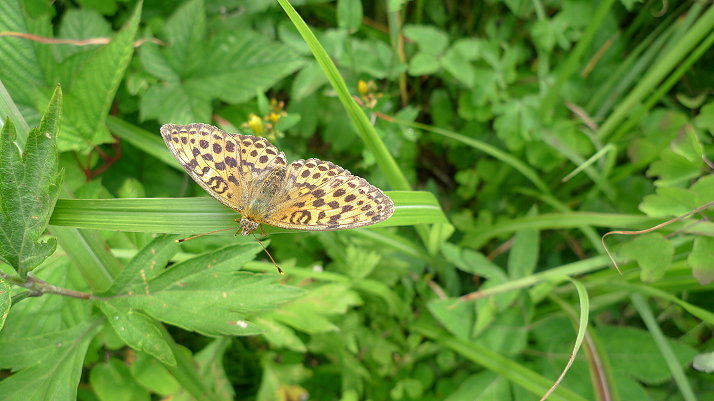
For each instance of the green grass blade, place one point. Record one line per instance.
(582, 324)
(511, 370)
(659, 338)
(366, 130)
(664, 66)
(663, 89)
(8, 109)
(571, 63)
(491, 150)
(90, 255)
(146, 141)
(575, 220)
(190, 215)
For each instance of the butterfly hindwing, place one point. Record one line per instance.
(319, 195)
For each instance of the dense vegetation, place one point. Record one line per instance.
(511, 135)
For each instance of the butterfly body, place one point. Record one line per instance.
(249, 175)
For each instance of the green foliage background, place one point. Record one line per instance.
(511, 136)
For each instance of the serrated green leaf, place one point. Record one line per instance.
(311, 312)
(22, 60)
(146, 265)
(57, 376)
(674, 169)
(653, 254)
(668, 202)
(138, 331)
(94, 87)
(80, 24)
(207, 295)
(29, 190)
(185, 31)
(702, 260)
(195, 70)
(112, 381)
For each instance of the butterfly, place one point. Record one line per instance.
(249, 175)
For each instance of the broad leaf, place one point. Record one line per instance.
(28, 191)
(22, 69)
(147, 264)
(112, 381)
(652, 252)
(55, 374)
(702, 259)
(206, 294)
(139, 332)
(94, 87)
(194, 70)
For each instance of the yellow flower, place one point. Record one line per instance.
(256, 124)
(362, 87)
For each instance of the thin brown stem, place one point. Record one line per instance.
(39, 287)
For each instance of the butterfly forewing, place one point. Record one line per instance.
(319, 195)
(226, 165)
(249, 174)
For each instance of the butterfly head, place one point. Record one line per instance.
(247, 226)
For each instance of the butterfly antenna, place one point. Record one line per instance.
(270, 256)
(201, 235)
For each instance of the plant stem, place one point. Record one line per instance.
(39, 287)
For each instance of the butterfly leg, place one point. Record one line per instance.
(261, 230)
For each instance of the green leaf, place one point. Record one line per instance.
(349, 14)
(28, 191)
(139, 332)
(56, 375)
(22, 69)
(93, 90)
(482, 387)
(423, 64)
(702, 260)
(455, 315)
(80, 24)
(5, 301)
(633, 352)
(705, 119)
(154, 376)
(431, 41)
(146, 265)
(196, 215)
(112, 381)
(674, 169)
(280, 335)
(310, 312)
(206, 294)
(195, 70)
(652, 252)
(668, 201)
(523, 258)
(473, 262)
